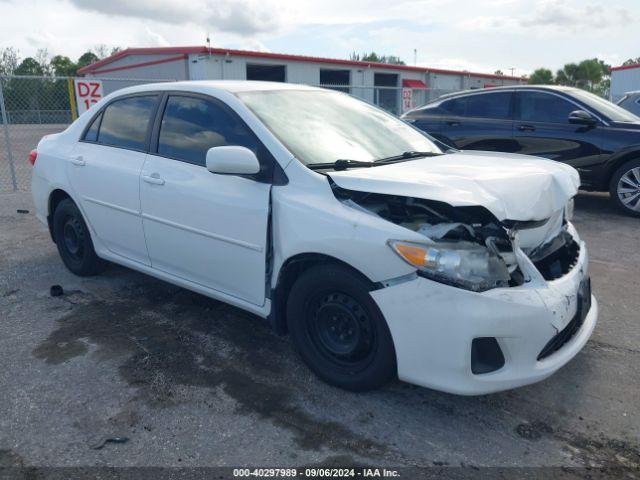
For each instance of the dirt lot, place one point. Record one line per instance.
(193, 382)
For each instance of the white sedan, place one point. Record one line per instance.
(380, 253)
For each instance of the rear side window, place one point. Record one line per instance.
(191, 126)
(455, 106)
(544, 107)
(125, 122)
(489, 105)
(91, 135)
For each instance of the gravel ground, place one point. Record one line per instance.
(193, 382)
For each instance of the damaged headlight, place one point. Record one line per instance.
(462, 264)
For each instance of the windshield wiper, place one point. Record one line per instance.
(341, 164)
(406, 156)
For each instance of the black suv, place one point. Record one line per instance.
(598, 138)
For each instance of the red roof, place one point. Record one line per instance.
(625, 67)
(406, 82)
(94, 68)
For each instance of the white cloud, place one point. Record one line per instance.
(234, 16)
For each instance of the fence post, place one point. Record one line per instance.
(7, 138)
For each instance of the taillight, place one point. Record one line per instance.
(33, 154)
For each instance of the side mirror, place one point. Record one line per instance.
(232, 160)
(580, 117)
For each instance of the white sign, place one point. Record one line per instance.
(407, 99)
(88, 92)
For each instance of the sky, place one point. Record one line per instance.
(482, 35)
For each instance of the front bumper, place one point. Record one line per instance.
(433, 326)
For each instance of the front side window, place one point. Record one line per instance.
(320, 126)
(191, 126)
(489, 105)
(544, 107)
(125, 122)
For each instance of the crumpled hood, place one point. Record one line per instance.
(512, 187)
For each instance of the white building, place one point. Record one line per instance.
(624, 79)
(393, 87)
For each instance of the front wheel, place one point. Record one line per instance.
(625, 188)
(338, 330)
(73, 240)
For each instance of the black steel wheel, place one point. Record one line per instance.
(73, 240)
(338, 329)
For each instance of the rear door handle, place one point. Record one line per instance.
(526, 128)
(79, 161)
(154, 179)
(453, 123)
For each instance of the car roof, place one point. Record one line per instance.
(214, 86)
(557, 88)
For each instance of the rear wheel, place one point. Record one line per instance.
(73, 240)
(625, 188)
(338, 329)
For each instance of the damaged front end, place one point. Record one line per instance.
(467, 246)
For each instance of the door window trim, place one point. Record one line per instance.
(270, 163)
(153, 113)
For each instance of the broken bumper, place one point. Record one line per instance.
(433, 326)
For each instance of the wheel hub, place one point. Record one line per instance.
(629, 189)
(341, 328)
(73, 237)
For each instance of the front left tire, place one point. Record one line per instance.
(72, 237)
(338, 330)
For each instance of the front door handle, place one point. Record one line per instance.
(79, 161)
(154, 179)
(526, 128)
(453, 123)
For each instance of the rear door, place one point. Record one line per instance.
(479, 121)
(104, 172)
(542, 128)
(207, 228)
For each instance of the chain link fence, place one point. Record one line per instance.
(33, 107)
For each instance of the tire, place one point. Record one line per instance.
(625, 188)
(73, 240)
(338, 330)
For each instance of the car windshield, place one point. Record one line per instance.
(322, 126)
(610, 110)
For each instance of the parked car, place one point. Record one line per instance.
(337, 222)
(598, 138)
(631, 102)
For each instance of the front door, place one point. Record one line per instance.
(207, 228)
(542, 128)
(104, 172)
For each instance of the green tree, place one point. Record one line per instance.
(374, 57)
(87, 58)
(498, 72)
(541, 76)
(63, 66)
(29, 66)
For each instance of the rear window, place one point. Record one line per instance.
(125, 122)
(489, 105)
(483, 105)
(91, 135)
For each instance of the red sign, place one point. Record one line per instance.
(87, 92)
